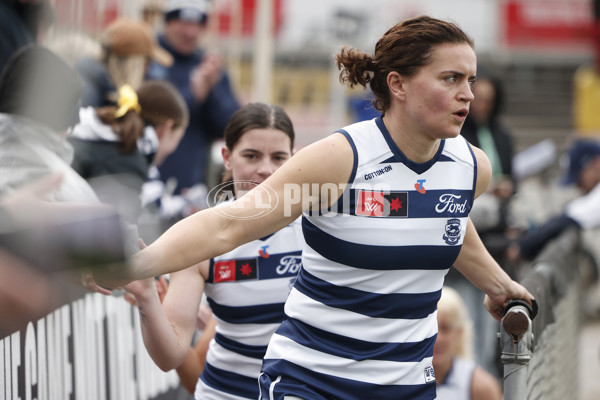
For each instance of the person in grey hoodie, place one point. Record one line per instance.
(38, 94)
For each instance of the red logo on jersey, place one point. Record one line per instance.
(370, 203)
(225, 271)
(381, 204)
(235, 270)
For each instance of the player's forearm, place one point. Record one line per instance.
(479, 267)
(166, 344)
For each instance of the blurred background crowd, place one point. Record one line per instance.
(127, 101)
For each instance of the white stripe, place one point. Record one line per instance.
(222, 358)
(411, 232)
(250, 292)
(272, 387)
(205, 392)
(249, 334)
(371, 371)
(401, 178)
(357, 326)
(377, 281)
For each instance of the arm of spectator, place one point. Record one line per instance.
(534, 241)
(205, 76)
(190, 370)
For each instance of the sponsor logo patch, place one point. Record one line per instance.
(451, 203)
(381, 204)
(263, 252)
(419, 186)
(235, 270)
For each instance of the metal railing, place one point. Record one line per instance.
(540, 355)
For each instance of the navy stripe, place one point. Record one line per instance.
(354, 151)
(419, 205)
(394, 159)
(330, 387)
(230, 382)
(418, 168)
(257, 352)
(375, 305)
(355, 349)
(474, 169)
(378, 257)
(258, 314)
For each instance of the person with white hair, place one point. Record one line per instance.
(458, 377)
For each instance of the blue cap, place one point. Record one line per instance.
(582, 151)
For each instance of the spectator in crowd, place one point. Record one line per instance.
(457, 375)
(115, 146)
(128, 48)
(22, 22)
(38, 95)
(246, 288)
(203, 83)
(484, 129)
(583, 170)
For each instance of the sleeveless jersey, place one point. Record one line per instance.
(246, 290)
(362, 316)
(457, 385)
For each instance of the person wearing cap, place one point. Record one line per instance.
(583, 170)
(204, 84)
(128, 48)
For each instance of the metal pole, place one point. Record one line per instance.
(516, 341)
(263, 51)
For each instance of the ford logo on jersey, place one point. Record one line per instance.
(449, 202)
(289, 265)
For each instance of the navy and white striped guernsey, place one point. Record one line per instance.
(246, 290)
(362, 316)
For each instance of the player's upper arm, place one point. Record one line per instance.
(291, 189)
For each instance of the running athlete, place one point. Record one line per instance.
(246, 287)
(386, 213)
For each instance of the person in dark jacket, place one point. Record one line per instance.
(21, 22)
(115, 146)
(484, 129)
(204, 84)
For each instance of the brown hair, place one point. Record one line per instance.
(159, 101)
(404, 48)
(255, 116)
